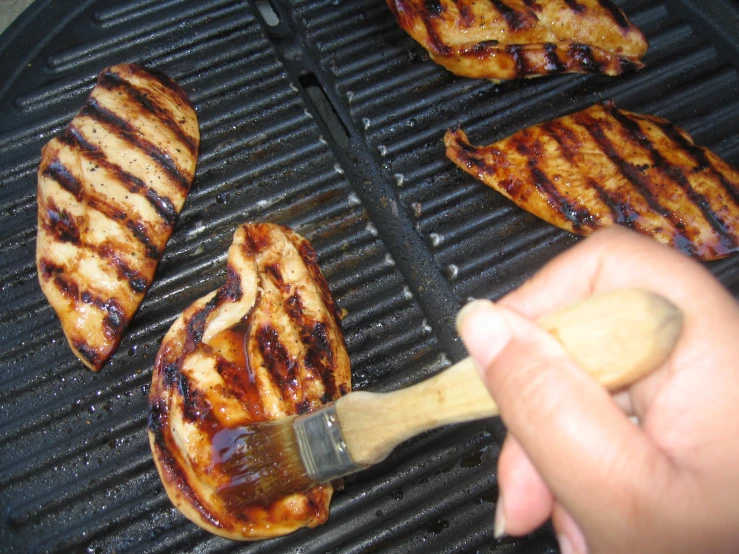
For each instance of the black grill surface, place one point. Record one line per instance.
(324, 116)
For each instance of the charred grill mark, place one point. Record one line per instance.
(57, 171)
(273, 270)
(67, 288)
(164, 80)
(320, 356)
(171, 373)
(623, 213)
(195, 405)
(157, 417)
(468, 155)
(310, 258)
(196, 325)
(483, 46)
(582, 54)
(88, 353)
(553, 64)
(49, 268)
(172, 469)
(513, 19)
(238, 382)
(433, 8)
(569, 144)
(136, 281)
(122, 129)
(302, 407)
(61, 224)
(517, 53)
(574, 6)
(617, 15)
(163, 206)
(579, 217)
(466, 16)
(115, 321)
(256, 240)
(278, 362)
(675, 174)
(139, 231)
(700, 157)
(73, 138)
(137, 228)
(109, 81)
(565, 138)
(639, 181)
(231, 290)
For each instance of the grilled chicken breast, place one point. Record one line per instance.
(267, 344)
(510, 39)
(604, 166)
(110, 189)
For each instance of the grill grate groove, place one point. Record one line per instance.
(403, 238)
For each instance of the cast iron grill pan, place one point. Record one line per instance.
(326, 117)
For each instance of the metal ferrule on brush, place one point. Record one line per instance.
(322, 446)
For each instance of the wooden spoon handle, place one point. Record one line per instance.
(617, 336)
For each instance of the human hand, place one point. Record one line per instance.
(668, 484)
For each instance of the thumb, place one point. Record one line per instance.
(601, 467)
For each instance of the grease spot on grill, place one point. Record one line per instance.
(399, 178)
(353, 199)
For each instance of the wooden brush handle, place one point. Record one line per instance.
(617, 336)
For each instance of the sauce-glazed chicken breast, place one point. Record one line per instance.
(604, 166)
(110, 189)
(266, 345)
(510, 39)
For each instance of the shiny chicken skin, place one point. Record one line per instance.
(110, 189)
(604, 166)
(266, 345)
(511, 39)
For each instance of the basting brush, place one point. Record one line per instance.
(617, 336)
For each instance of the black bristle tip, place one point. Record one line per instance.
(262, 461)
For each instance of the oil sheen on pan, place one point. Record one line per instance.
(265, 345)
(110, 189)
(605, 166)
(512, 39)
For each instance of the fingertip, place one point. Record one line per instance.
(529, 501)
(484, 331)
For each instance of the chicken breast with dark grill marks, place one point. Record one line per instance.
(110, 189)
(510, 39)
(604, 166)
(266, 345)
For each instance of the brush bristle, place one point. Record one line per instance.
(263, 463)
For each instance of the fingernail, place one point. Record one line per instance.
(499, 525)
(484, 331)
(565, 546)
